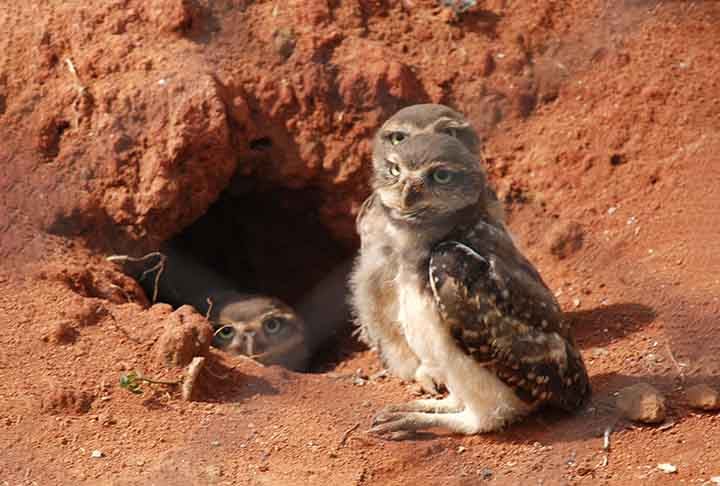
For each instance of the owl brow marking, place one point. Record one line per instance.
(281, 315)
(394, 157)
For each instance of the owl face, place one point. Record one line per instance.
(261, 328)
(424, 118)
(427, 178)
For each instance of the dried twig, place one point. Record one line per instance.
(210, 306)
(606, 439)
(159, 266)
(346, 435)
(191, 376)
(71, 68)
(83, 99)
(678, 366)
(124, 292)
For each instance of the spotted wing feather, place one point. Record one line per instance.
(501, 313)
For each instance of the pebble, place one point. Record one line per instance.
(667, 468)
(703, 397)
(96, 454)
(642, 403)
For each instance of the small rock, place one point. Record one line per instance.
(486, 473)
(642, 403)
(97, 454)
(284, 42)
(611, 210)
(667, 468)
(703, 397)
(460, 449)
(617, 159)
(715, 479)
(214, 472)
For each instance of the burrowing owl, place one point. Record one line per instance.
(372, 277)
(474, 313)
(259, 326)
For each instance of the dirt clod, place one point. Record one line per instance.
(187, 334)
(703, 397)
(565, 239)
(61, 400)
(642, 403)
(61, 332)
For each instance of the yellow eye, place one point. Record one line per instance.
(397, 137)
(442, 176)
(393, 169)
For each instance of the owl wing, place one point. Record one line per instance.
(365, 209)
(500, 312)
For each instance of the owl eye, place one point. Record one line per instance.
(397, 137)
(451, 131)
(225, 333)
(442, 176)
(272, 325)
(393, 169)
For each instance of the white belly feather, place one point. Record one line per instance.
(478, 389)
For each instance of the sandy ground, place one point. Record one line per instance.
(600, 122)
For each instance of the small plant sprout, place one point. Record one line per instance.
(131, 382)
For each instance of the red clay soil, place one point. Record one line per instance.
(122, 122)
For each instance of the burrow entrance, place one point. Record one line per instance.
(270, 240)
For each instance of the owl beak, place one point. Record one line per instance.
(411, 193)
(249, 341)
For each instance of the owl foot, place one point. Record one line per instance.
(388, 423)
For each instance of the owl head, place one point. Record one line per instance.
(424, 118)
(432, 178)
(263, 328)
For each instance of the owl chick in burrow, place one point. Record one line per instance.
(473, 311)
(259, 326)
(371, 279)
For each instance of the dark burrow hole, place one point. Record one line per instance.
(263, 143)
(270, 241)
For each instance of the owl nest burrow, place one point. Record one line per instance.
(262, 270)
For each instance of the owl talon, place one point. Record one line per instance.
(387, 414)
(387, 423)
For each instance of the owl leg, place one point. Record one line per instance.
(425, 380)
(449, 404)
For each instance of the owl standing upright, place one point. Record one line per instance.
(372, 297)
(443, 277)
